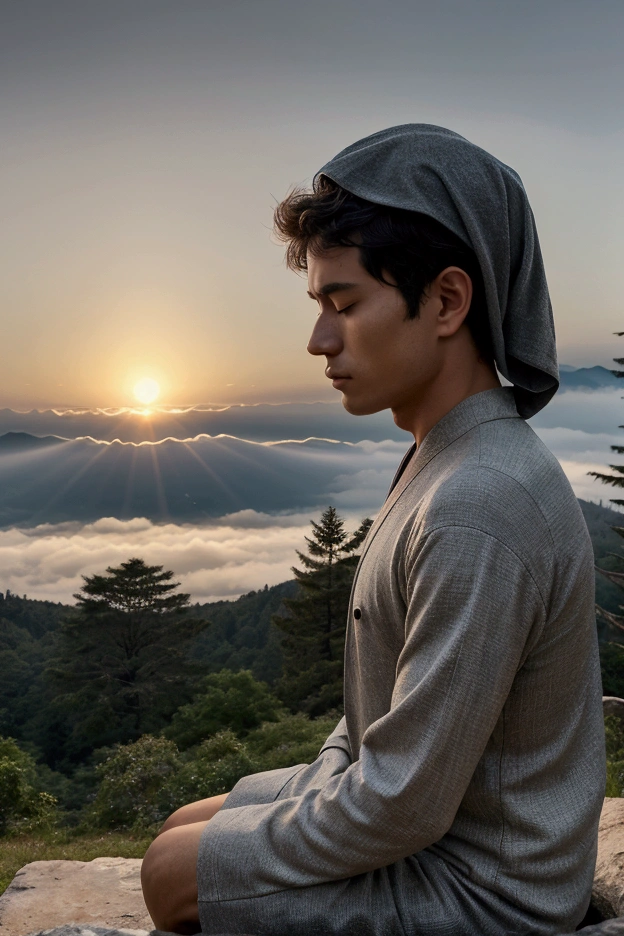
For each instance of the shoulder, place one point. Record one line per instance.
(508, 486)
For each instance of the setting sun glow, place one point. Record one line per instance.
(146, 390)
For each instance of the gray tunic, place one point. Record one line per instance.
(461, 792)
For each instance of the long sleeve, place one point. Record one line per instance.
(266, 786)
(339, 738)
(472, 611)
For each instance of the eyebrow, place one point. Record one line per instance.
(330, 288)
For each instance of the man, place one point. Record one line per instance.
(461, 792)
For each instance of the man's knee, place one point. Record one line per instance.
(181, 816)
(200, 811)
(168, 878)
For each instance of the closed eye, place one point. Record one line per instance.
(345, 308)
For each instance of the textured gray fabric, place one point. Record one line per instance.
(462, 792)
(608, 928)
(437, 172)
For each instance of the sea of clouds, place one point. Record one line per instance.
(253, 500)
(242, 552)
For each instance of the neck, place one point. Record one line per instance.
(439, 396)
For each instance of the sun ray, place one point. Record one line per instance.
(161, 497)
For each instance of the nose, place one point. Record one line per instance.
(325, 337)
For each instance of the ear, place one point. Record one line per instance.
(453, 288)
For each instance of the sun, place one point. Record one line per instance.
(146, 390)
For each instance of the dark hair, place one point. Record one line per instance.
(412, 247)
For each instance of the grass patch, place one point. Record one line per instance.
(17, 851)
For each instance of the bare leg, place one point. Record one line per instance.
(201, 811)
(169, 879)
(169, 869)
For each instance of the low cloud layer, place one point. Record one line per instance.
(599, 411)
(241, 553)
(581, 452)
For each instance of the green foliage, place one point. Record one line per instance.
(121, 666)
(145, 781)
(605, 541)
(213, 768)
(315, 623)
(612, 653)
(241, 633)
(614, 736)
(614, 574)
(136, 790)
(112, 672)
(131, 588)
(612, 668)
(294, 739)
(235, 701)
(617, 479)
(36, 618)
(22, 807)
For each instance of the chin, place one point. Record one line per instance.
(363, 407)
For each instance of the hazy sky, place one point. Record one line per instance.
(145, 141)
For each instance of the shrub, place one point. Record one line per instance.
(614, 736)
(22, 807)
(213, 767)
(230, 701)
(612, 667)
(135, 787)
(294, 739)
(146, 780)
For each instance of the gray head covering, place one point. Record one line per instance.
(439, 173)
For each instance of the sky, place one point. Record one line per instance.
(145, 144)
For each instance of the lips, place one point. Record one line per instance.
(338, 381)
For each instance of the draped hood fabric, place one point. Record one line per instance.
(434, 171)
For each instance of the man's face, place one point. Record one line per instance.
(376, 356)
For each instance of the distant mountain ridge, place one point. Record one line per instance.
(12, 442)
(52, 480)
(588, 378)
(263, 422)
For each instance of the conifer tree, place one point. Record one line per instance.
(121, 666)
(315, 623)
(617, 479)
(616, 621)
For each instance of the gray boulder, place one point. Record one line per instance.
(608, 928)
(71, 929)
(608, 890)
(105, 892)
(103, 897)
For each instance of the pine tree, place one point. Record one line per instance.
(314, 627)
(120, 668)
(615, 480)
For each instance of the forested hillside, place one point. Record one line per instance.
(241, 634)
(135, 680)
(606, 542)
